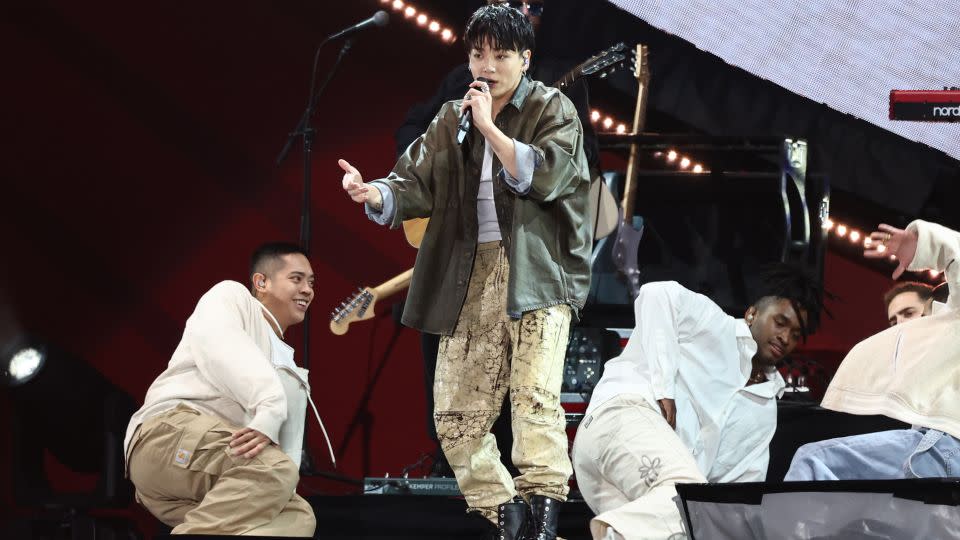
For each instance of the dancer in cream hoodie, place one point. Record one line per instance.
(909, 372)
(215, 449)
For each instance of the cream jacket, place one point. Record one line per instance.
(222, 366)
(911, 372)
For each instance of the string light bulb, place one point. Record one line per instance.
(422, 19)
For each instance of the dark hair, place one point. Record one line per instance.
(800, 287)
(268, 254)
(506, 28)
(941, 293)
(924, 291)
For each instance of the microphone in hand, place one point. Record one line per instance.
(466, 121)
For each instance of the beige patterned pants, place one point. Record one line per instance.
(184, 476)
(487, 355)
(628, 461)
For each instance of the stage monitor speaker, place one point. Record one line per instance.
(840, 510)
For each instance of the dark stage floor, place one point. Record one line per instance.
(398, 517)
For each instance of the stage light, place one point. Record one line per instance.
(607, 122)
(671, 156)
(698, 168)
(49, 386)
(409, 12)
(882, 248)
(421, 19)
(684, 163)
(434, 26)
(841, 230)
(621, 129)
(397, 4)
(854, 236)
(446, 34)
(595, 115)
(657, 154)
(23, 365)
(827, 224)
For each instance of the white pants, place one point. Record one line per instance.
(627, 460)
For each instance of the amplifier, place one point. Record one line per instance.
(446, 487)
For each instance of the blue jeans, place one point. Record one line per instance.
(887, 455)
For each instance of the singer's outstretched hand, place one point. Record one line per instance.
(479, 101)
(354, 185)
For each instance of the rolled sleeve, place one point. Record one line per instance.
(528, 161)
(389, 207)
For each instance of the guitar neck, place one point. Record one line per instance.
(393, 285)
(567, 79)
(639, 119)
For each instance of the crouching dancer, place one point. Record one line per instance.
(216, 447)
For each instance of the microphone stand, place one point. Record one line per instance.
(305, 131)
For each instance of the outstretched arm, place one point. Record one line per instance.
(921, 246)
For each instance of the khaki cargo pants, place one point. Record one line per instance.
(184, 475)
(487, 355)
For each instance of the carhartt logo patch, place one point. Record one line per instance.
(182, 457)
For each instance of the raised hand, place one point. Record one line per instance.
(354, 185)
(479, 101)
(890, 240)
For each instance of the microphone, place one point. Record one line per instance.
(379, 18)
(466, 121)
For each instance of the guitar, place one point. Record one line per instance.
(359, 307)
(630, 229)
(599, 65)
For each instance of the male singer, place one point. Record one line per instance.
(502, 269)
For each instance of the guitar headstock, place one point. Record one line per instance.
(641, 67)
(599, 65)
(358, 307)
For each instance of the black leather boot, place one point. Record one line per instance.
(513, 521)
(546, 514)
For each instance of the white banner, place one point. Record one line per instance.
(846, 54)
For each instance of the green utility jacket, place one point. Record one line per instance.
(546, 232)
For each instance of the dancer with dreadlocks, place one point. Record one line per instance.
(691, 399)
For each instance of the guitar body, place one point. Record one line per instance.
(625, 247)
(599, 65)
(414, 229)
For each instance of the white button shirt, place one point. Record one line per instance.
(684, 347)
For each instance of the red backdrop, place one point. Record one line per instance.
(138, 171)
